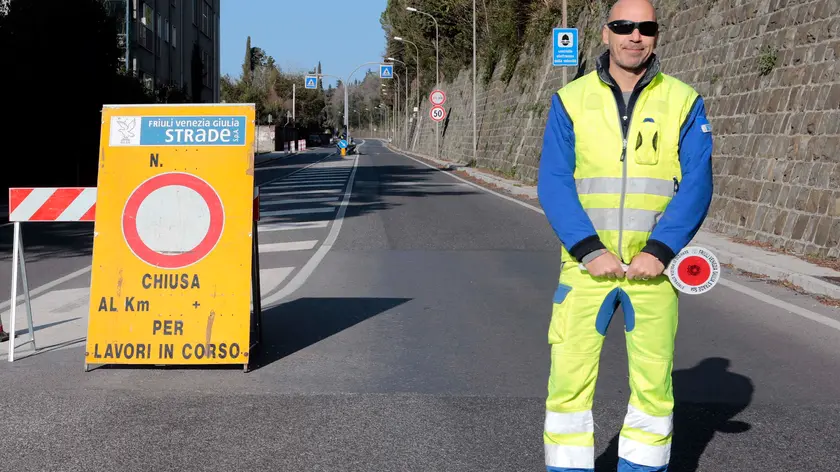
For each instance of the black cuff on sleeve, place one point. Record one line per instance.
(585, 246)
(660, 251)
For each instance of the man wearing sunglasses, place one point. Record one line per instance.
(625, 181)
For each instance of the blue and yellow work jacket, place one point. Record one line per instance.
(626, 177)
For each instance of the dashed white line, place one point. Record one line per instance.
(289, 246)
(292, 201)
(298, 211)
(271, 227)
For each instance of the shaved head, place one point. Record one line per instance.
(630, 50)
(635, 10)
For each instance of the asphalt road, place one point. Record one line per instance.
(411, 335)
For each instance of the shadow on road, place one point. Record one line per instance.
(25, 330)
(707, 397)
(48, 240)
(298, 324)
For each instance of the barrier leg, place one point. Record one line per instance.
(13, 298)
(18, 263)
(26, 296)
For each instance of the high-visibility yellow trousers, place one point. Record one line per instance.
(583, 308)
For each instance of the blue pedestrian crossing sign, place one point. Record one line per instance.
(342, 144)
(386, 71)
(311, 81)
(565, 47)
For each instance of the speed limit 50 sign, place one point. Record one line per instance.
(437, 113)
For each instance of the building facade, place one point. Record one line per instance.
(173, 42)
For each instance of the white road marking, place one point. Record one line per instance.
(291, 246)
(312, 181)
(270, 227)
(288, 186)
(302, 192)
(43, 288)
(300, 278)
(805, 313)
(299, 211)
(324, 173)
(421, 184)
(272, 278)
(292, 201)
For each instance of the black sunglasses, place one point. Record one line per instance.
(623, 27)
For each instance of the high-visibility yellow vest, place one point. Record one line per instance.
(625, 182)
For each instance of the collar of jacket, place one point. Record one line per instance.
(603, 67)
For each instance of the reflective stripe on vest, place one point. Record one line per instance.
(608, 219)
(650, 186)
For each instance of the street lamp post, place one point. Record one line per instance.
(475, 138)
(437, 70)
(437, 48)
(406, 97)
(417, 53)
(396, 106)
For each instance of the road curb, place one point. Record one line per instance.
(810, 284)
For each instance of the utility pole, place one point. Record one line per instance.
(294, 92)
(564, 26)
(475, 143)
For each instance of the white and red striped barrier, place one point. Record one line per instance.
(61, 204)
(52, 204)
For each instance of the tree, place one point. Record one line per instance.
(247, 64)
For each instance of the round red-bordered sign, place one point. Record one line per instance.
(437, 113)
(437, 97)
(694, 270)
(173, 261)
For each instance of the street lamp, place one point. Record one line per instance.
(437, 43)
(437, 69)
(406, 96)
(417, 52)
(475, 138)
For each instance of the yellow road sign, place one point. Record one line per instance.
(171, 279)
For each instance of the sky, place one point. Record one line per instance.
(299, 33)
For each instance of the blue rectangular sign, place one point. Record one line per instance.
(311, 82)
(565, 47)
(386, 71)
(178, 131)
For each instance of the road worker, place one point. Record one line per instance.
(625, 181)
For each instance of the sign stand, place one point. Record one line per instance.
(18, 262)
(256, 313)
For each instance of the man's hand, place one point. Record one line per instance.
(644, 266)
(605, 265)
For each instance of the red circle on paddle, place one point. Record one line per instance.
(173, 261)
(694, 270)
